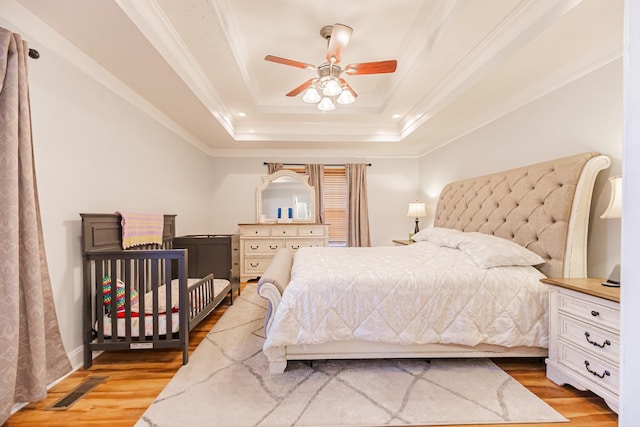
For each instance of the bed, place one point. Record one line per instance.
(420, 300)
(141, 297)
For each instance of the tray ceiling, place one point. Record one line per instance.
(198, 65)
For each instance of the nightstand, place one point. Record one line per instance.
(402, 242)
(584, 336)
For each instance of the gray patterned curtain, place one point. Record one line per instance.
(32, 353)
(358, 210)
(316, 179)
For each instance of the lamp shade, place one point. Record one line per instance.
(614, 210)
(346, 97)
(311, 96)
(416, 210)
(326, 104)
(332, 87)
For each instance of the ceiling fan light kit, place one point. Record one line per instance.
(329, 88)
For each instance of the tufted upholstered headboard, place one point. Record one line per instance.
(543, 207)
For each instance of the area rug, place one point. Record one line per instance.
(227, 383)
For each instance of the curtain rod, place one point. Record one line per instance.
(34, 53)
(302, 164)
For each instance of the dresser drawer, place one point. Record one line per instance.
(283, 231)
(256, 265)
(311, 230)
(593, 369)
(304, 243)
(255, 231)
(591, 339)
(261, 247)
(598, 314)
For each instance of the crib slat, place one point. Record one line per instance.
(156, 306)
(168, 303)
(113, 307)
(139, 268)
(127, 305)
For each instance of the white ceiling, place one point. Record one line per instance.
(196, 65)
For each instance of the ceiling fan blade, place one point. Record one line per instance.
(290, 62)
(344, 82)
(300, 88)
(340, 36)
(379, 67)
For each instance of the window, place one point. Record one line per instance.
(335, 203)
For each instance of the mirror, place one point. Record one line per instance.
(285, 196)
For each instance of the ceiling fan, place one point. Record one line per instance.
(329, 87)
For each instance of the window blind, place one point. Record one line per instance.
(335, 205)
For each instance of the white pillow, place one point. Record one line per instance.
(488, 251)
(447, 237)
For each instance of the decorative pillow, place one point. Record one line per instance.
(448, 237)
(488, 251)
(120, 300)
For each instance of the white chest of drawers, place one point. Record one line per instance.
(260, 242)
(584, 336)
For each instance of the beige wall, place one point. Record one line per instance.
(391, 185)
(96, 153)
(585, 115)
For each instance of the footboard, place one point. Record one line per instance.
(128, 305)
(273, 282)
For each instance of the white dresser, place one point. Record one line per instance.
(260, 242)
(584, 336)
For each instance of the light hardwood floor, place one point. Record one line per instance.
(135, 378)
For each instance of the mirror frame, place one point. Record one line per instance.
(303, 178)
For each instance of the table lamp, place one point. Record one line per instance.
(614, 210)
(416, 210)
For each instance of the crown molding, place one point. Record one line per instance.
(523, 24)
(156, 27)
(28, 24)
(527, 96)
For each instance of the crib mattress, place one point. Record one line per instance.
(219, 286)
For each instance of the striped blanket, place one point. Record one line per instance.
(141, 228)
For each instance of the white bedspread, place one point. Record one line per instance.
(421, 293)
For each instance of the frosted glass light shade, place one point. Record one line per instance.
(311, 96)
(326, 104)
(346, 97)
(416, 210)
(332, 88)
(614, 210)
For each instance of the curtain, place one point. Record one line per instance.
(273, 167)
(32, 353)
(358, 211)
(316, 179)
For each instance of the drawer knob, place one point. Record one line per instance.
(254, 264)
(254, 247)
(587, 335)
(595, 313)
(594, 373)
(272, 247)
